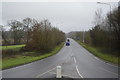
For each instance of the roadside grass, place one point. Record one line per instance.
(11, 47)
(105, 56)
(9, 62)
(8, 51)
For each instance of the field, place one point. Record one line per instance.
(11, 47)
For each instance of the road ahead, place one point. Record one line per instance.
(76, 62)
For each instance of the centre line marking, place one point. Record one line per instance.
(78, 72)
(74, 59)
(77, 69)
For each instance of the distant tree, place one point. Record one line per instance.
(98, 17)
(2, 30)
(106, 33)
(16, 27)
(44, 37)
(27, 22)
(87, 37)
(4, 36)
(114, 29)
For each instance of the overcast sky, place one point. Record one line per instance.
(73, 16)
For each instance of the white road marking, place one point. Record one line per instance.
(77, 68)
(74, 59)
(38, 76)
(96, 58)
(44, 73)
(78, 72)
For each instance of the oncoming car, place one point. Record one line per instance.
(68, 42)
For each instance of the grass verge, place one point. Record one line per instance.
(23, 59)
(107, 57)
(11, 47)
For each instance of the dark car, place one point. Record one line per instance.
(67, 43)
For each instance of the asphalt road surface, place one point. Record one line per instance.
(76, 62)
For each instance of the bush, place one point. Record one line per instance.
(43, 37)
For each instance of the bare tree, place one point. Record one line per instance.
(98, 17)
(44, 37)
(27, 22)
(16, 28)
(3, 35)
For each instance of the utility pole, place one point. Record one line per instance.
(83, 36)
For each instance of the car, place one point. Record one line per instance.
(67, 43)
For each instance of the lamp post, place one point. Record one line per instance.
(110, 9)
(109, 17)
(83, 36)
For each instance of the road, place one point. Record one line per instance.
(76, 62)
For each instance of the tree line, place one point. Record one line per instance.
(105, 34)
(38, 36)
